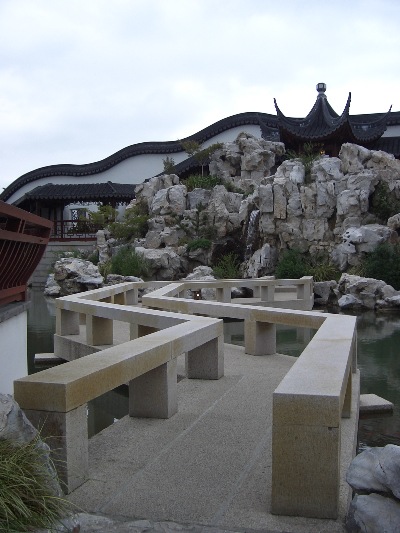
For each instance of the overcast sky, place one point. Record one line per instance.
(81, 79)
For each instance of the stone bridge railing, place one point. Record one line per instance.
(307, 405)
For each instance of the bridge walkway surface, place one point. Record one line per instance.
(208, 467)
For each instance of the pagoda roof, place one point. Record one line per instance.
(323, 123)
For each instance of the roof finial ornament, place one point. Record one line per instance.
(321, 88)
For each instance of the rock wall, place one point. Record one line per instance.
(328, 211)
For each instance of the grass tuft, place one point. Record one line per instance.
(27, 500)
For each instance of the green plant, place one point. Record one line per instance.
(231, 187)
(105, 268)
(26, 498)
(292, 265)
(127, 262)
(205, 244)
(93, 257)
(134, 224)
(169, 165)
(321, 269)
(307, 155)
(324, 271)
(227, 267)
(383, 263)
(383, 202)
(196, 181)
(105, 214)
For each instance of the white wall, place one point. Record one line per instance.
(13, 356)
(392, 131)
(135, 169)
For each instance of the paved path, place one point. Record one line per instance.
(208, 466)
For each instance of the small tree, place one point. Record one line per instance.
(202, 155)
(169, 165)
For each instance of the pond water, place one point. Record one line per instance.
(378, 346)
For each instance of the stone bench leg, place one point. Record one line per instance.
(259, 338)
(132, 297)
(268, 293)
(67, 322)
(99, 331)
(154, 394)
(67, 436)
(207, 360)
(223, 294)
(120, 298)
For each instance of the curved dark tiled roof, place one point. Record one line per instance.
(269, 124)
(323, 123)
(85, 192)
(168, 147)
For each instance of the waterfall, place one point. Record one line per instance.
(251, 233)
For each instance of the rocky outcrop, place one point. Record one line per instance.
(374, 475)
(367, 293)
(357, 241)
(163, 264)
(72, 275)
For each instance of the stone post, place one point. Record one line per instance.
(132, 297)
(99, 331)
(206, 361)
(67, 436)
(223, 294)
(154, 394)
(67, 322)
(259, 338)
(120, 298)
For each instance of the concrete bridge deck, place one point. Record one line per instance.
(210, 464)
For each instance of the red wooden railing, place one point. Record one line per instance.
(74, 230)
(23, 240)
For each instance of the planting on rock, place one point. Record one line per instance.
(127, 262)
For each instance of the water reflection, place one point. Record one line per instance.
(378, 359)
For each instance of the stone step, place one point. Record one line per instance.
(371, 404)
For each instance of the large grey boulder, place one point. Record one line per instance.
(52, 288)
(262, 262)
(73, 275)
(164, 263)
(170, 201)
(374, 475)
(324, 292)
(349, 301)
(376, 470)
(373, 513)
(146, 191)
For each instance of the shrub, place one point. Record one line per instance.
(321, 269)
(292, 265)
(127, 262)
(105, 214)
(169, 165)
(383, 263)
(196, 181)
(134, 224)
(26, 499)
(205, 244)
(324, 272)
(227, 267)
(384, 203)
